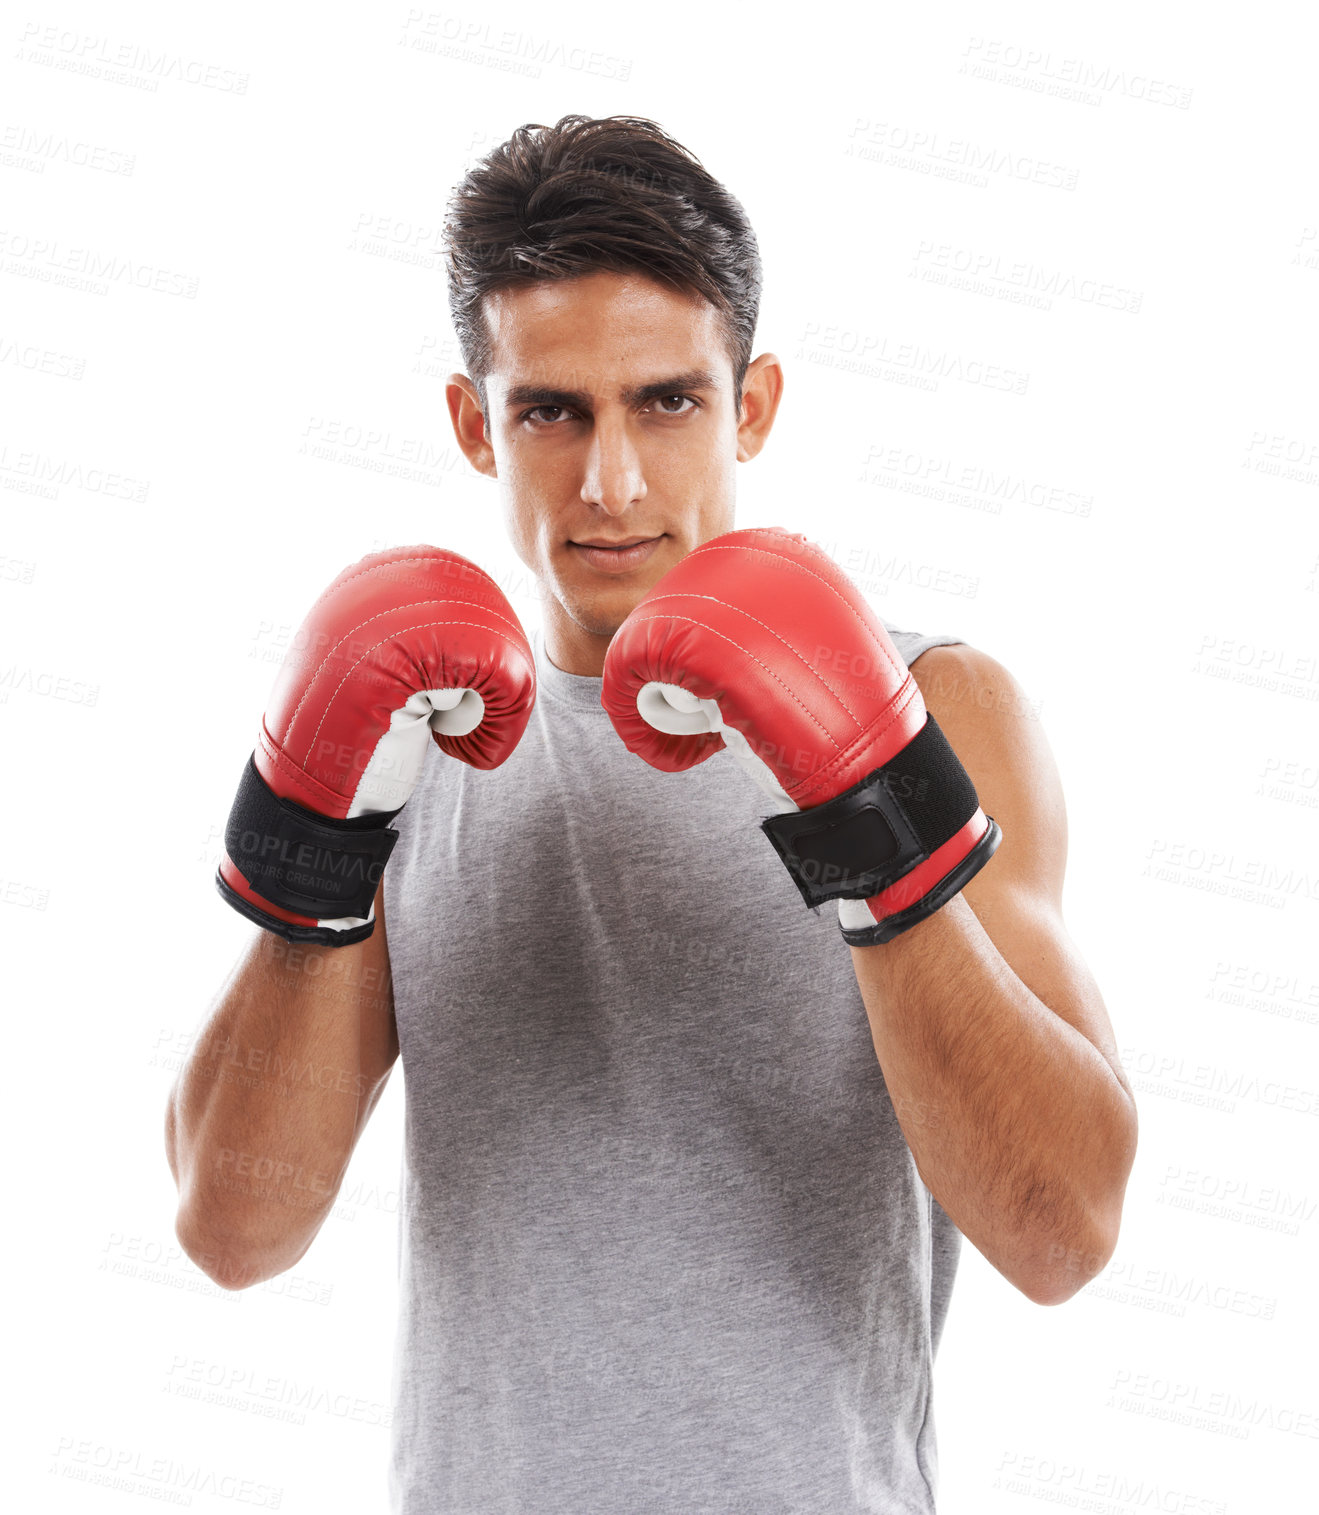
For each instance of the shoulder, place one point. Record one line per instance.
(972, 695)
(961, 674)
(993, 724)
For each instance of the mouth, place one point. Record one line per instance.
(619, 556)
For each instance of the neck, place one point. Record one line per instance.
(570, 646)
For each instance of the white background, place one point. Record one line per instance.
(219, 241)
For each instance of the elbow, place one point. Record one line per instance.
(220, 1255)
(226, 1259)
(1066, 1267)
(1068, 1263)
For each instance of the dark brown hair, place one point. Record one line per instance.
(558, 202)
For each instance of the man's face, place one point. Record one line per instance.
(612, 434)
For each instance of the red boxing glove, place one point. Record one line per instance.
(756, 640)
(405, 644)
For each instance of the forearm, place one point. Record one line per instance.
(1019, 1126)
(265, 1114)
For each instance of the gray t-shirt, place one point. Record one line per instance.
(663, 1245)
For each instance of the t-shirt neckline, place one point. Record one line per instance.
(581, 691)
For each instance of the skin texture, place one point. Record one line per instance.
(299, 1043)
(993, 1038)
(266, 1111)
(610, 465)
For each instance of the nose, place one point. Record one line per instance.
(613, 478)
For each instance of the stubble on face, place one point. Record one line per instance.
(585, 450)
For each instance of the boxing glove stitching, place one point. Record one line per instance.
(639, 620)
(393, 609)
(832, 588)
(381, 643)
(438, 556)
(715, 600)
(877, 727)
(887, 718)
(298, 774)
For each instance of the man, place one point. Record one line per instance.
(685, 1172)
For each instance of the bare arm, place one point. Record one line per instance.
(986, 1015)
(267, 1110)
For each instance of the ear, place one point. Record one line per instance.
(762, 389)
(469, 424)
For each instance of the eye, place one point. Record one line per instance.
(537, 411)
(549, 416)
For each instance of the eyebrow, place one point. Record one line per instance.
(638, 394)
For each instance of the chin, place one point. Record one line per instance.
(604, 612)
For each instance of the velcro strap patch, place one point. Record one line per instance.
(866, 838)
(304, 862)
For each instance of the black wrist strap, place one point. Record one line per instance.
(866, 838)
(949, 885)
(308, 863)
